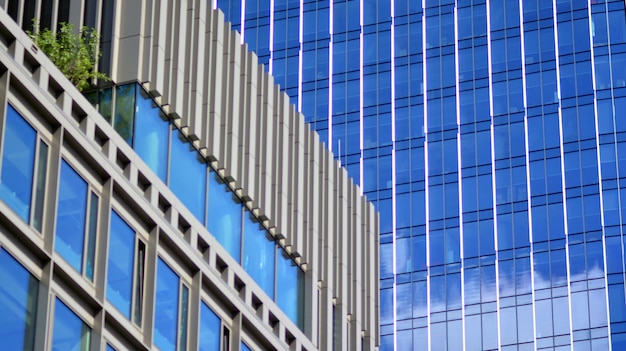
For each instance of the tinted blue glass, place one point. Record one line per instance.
(151, 136)
(18, 303)
(289, 287)
(18, 163)
(166, 307)
(224, 220)
(120, 264)
(70, 332)
(244, 347)
(187, 177)
(258, 254)
(109, 348)
(71, 214)
(210, 329)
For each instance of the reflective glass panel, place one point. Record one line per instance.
(70, 332)
(224, 220)
(188, 175)
(120, 264)
(18, 163)
(71, 213)
(151, 134)
(210, 327)
(244, 347)
(258, 254)
(289, 286)
(166, 307)
(125, 111)
(18, 303)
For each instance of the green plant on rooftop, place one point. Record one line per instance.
(75, 54)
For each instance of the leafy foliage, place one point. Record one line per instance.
(75, 54)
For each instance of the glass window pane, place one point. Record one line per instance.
(166, 307)
(70, 332)
(71, 213)
(151, 134)
(120, 264)
(125, 111)
(290, 280)
(18, 303)
(224, 220)
(244, 347)
(258, 254)
(91, 235)
(18, 163)
(210, 327)
(188, 175)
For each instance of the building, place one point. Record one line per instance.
(490, 136)
(186, 205)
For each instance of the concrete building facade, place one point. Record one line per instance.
(187, 205)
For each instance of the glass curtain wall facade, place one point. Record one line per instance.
(491, 136)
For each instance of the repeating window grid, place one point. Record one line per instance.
(600, 185)
(393, 155)
(459, 173)
(619, 187)
(493, 167)
(563, 184)
(528, 179)
(426, 181)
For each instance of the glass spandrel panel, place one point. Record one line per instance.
(71, 215)
(289, 287)
(210, 329)
(258, 254)
(187, 177)
(151, 134)
(166, 308)
(18, 303)
(224, 220)
(70, 332)
(18, 163)
(120, 264)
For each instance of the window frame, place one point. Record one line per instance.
(94, 187)
(43, 135)
(141, 237)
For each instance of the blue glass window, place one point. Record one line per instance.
(70, 332)
(18, 163)
(120, 264)
(224, 220)
(258, 254)
(244, 347)
(152, 134)
(166, 307)
(71, 216)
(289, 288)
(188, 175)
(210, 329)
(18, 303)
